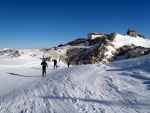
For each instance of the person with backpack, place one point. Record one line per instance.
(44, 64)
(55, 63)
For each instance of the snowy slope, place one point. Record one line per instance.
(64, 49)
(122, 40)
(118, 87)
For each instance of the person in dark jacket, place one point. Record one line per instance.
(68, 62)
(44, 64)
(55, 63)
(77, 62)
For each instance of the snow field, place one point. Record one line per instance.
(110, 88)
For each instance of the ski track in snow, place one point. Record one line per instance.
(108, 88)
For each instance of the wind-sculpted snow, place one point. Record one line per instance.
(119, 87)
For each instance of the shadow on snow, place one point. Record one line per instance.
(104, 102)
(35, 68)
(22, 75)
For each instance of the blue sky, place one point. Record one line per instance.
(47, 23)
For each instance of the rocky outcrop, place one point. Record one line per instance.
(91, 56)
(131, 51)
(15, 54)
(53, 53)
(137, 52)
(10, 53)
(77, 41)
(123, 50)
(73, 54)
(142, 36)
(6, 51)
(111, 36)
(104, 51)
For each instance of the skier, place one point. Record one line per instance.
(44, 64)
(77, 62)
(55, 63)
(68, 62)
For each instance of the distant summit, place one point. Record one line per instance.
(9, 53)
(105, 48)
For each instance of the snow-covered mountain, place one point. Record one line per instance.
(107, 49)
(118, 87)
(122, 86)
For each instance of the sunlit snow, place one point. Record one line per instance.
(117, 87)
